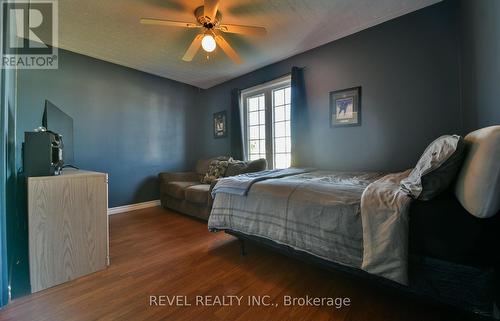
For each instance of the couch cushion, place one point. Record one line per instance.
(177, 189)
(197, 193)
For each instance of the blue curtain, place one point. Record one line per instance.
(298, 116)
(235, 132)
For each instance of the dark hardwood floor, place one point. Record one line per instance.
(156, 252)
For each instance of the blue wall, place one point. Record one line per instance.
(127, 123)
(480, 23)
(408, 68)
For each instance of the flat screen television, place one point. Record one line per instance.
(57, 121)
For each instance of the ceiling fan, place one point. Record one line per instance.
(209, 21)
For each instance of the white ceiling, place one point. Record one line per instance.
(109, 30)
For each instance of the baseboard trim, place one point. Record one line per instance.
(132, 207)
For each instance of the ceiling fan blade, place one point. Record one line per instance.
(170, 23)
(193, 48)
(244, 30)
(210, 8)
(228, 50)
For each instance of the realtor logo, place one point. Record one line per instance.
(29, 34)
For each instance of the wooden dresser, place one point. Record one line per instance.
(68, 226)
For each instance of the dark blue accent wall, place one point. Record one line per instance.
(127, 123)
(409, 71)
(480, 23)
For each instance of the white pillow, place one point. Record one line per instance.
(478, 184)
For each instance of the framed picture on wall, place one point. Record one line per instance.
(220, 124)
(345, 107)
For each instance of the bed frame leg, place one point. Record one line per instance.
(242, 246)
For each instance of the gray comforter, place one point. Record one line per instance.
(321, 213)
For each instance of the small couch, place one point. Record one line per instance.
(185, 193)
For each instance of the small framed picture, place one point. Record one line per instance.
(345, 107)
(220, 124)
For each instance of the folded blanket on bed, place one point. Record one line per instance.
(240, 184)
(385, 215)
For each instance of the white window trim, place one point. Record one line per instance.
(266, 88)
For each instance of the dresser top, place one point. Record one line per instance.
(68, 173)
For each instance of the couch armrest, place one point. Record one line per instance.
(179, 177)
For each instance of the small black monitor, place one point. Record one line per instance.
(57, 121)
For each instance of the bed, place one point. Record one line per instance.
(299, 211)
(363, 223)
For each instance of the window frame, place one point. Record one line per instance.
(267, 90)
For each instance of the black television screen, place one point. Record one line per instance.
(57, 121)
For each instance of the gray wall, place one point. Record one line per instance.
(408, 68)
(127, 123)
(480, 47)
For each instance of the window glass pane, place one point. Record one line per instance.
(287, 112)
(280, 145)
(279, 113)
(262, 117)
(254, 132)
(253, 104)
(279, 97)
(282, 160)
(262, 102)
(253, 118)
(262, 146)
(256, 126)
(253, 146)
(287, 95)
(262, 131)
(279, 129)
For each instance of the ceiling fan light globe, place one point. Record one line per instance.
(208, 43)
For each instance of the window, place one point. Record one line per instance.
(267, 122)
